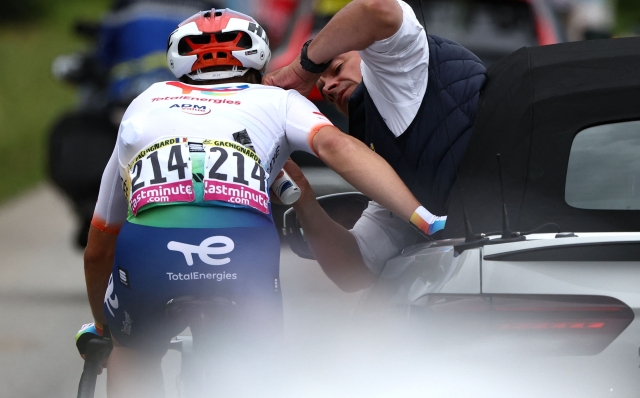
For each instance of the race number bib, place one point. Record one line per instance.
(233, 174)
(161, 173)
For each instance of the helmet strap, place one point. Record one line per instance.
(198, 75)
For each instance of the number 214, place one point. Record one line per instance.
(257, 173)
(175, 163)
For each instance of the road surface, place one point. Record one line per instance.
(44, 302)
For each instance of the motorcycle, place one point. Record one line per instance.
(124, 60)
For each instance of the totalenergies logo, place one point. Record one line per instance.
(218, 91)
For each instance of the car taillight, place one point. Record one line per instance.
(549, 324)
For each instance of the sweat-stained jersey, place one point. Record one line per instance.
(208, 145)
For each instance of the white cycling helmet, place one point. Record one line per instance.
(217, 38)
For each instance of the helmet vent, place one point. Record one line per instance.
(218, 13)
(184, 47)
(207, 56)
(222, 55)
(200, 39)
(245, 41)
(207, 14)
(226, 37)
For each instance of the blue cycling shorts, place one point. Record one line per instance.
(153, 265)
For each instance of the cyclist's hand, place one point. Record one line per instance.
(292, 77)
(87, 333)
(296, 175)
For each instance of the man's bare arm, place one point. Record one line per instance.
(98, 262)
(358, 25)
(335, 248)
(365, 170)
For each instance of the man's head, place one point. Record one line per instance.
(340, 79)
(218, 45)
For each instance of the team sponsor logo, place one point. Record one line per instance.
(276, 153)
(109, 301)
(126, 324)
(205, 250)
(321, 117)
(124, 277)
(223, 91)
(200, 99)
(257, 29)
(193, 276)
(192, 109)
(236, 194)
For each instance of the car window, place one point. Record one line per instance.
(604, 168)
(489, 28)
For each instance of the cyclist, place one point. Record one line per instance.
(195, 160)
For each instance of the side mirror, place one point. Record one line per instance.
(343, 208)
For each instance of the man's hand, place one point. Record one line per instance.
(292, 77)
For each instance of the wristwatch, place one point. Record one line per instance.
(308, 64)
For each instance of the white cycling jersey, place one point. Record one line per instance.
(245, 133)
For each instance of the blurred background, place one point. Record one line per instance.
(68, 70)
(103, 68)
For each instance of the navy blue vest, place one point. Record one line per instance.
(422, 155)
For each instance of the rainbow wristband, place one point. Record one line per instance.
(93, 328)
(425, 222)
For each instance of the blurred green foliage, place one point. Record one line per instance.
(628, 16)
(30, 99)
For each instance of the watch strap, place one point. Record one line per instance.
(308, 64)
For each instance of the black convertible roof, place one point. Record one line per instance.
(535, 102)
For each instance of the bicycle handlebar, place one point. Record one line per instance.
(97, 351)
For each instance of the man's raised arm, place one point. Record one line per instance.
(354, 28)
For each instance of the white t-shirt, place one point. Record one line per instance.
(162, 126)
(395, 72)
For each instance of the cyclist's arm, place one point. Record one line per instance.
(109, 215)
(335, 248)
(98, 262)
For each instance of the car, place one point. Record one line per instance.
(491, 29)
(534, 287)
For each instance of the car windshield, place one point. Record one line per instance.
(604, 168)
(489, 28)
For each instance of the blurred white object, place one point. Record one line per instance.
(590, 17)
(285, 188)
